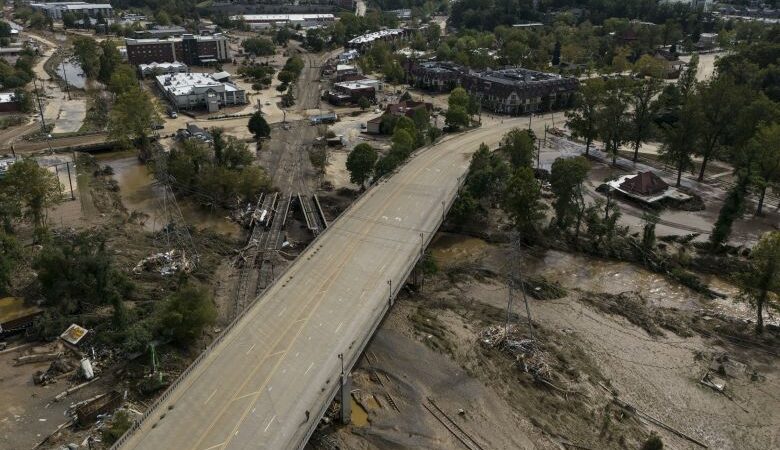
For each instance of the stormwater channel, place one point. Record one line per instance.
(70, 70)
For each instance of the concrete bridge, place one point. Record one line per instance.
(271, 375)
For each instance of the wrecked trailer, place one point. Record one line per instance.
(88, 413)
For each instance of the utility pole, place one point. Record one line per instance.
(516, 275)
(70, 182)
(65, 77)
(40, 106)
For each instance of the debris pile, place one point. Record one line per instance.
(167, 263)
(57, 369)
(542, 289)
(526, 352)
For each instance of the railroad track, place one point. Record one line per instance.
(451, 426)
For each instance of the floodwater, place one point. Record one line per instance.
(139, 193)
(71, 71)
(454, 249)
(575, 271)
(358, 416)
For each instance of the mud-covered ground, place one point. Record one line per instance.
(429, 346)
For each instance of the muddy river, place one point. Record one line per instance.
(595, 275)
(140, 194)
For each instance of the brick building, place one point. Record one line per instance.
(510, 90)
(189, 49)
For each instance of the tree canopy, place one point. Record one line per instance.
(360, 163)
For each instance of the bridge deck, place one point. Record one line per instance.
(281, 358)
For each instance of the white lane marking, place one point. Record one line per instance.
(212, 394)
(277, 353)
(307, 370)
(269, 424)
(339, 327)
(250, 348)
(215, 446)
(270, 388)
(296, 355)
(282, 311)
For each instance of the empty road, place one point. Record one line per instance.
(281, 358)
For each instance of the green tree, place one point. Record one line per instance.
(286, 77)
(719, 102)
(132, 120)
(360, 163)
(733, 207)
(766, 148)
(78, 275)
(583, 119)
(612, 122)
(319, 159)
(24, 99)
(649, 66)
(258, 126)
(650, 219)
(487, 176)
(456, 117)
(567, 177)
(186, 312)
(31, 189)
(686, 83)
(519, 146)
(234, 154)
(10, 253)
(258, 46)
(403, 143)
(162, 18)
(110, 59)
(363, 103)
(643, 111)
(522, 201)
(282, 36)
(122, 80)
(679, 140)
(87, 52)
(458, 103)
(68, 20)
(760, 284)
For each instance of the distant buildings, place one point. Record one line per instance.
(671, 63)
(159, 32)
(162, 68)
(706, 5)
(263, 21)
(347, 56)
(189, 49)
(56, 10)
(350, 92)
(406, 108)
(9, 102)
(707, 41)
(367, 40)
(510, 90)
(199, 90)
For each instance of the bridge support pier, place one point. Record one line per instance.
(345, 395)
